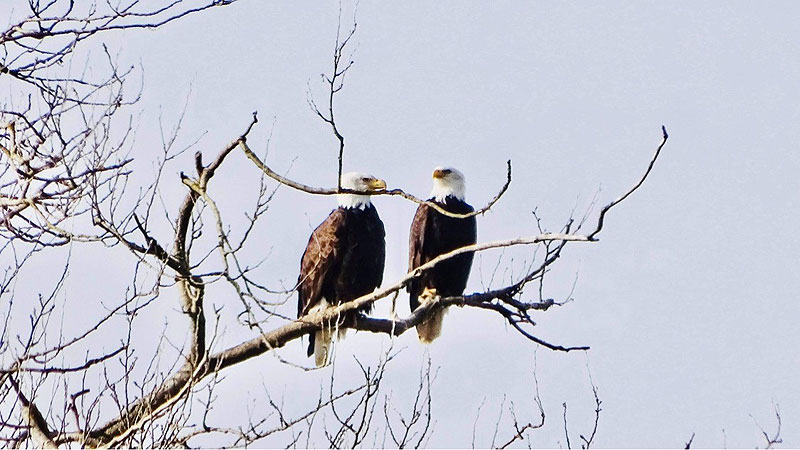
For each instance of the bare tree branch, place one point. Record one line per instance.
(393, 192)
(771, 441)
(619, 200)
(689, 442)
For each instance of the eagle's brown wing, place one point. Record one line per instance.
(416, 251)
(320, 260)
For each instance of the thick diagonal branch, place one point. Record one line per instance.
(279, 337)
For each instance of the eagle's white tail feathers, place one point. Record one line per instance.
(324, 339)
(431, 329)
(323, 344)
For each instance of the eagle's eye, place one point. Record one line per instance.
(364, 179)
(447, 171)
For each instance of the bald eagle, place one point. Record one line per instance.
(433, 234)
(344, 258)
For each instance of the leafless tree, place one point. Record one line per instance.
(67, 184)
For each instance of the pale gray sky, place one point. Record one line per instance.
(689, 300)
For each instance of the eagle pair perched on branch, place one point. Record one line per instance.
(345, 255)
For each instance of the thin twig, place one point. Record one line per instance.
(392, 192)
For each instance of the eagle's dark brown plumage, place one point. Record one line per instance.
(343, 260)
(433, 234)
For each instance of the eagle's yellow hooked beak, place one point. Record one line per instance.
(441, 173)
(376, 184)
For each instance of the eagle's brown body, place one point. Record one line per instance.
(343, 260)
(433, 234)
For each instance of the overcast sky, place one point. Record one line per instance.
(689, 299)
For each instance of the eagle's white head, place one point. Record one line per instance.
(359, 182)
(448, 181)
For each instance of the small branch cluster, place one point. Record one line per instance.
(335, 83)
(521, 431)
(40, 42)
(587, 442)
(771, 441)
(63, 151)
